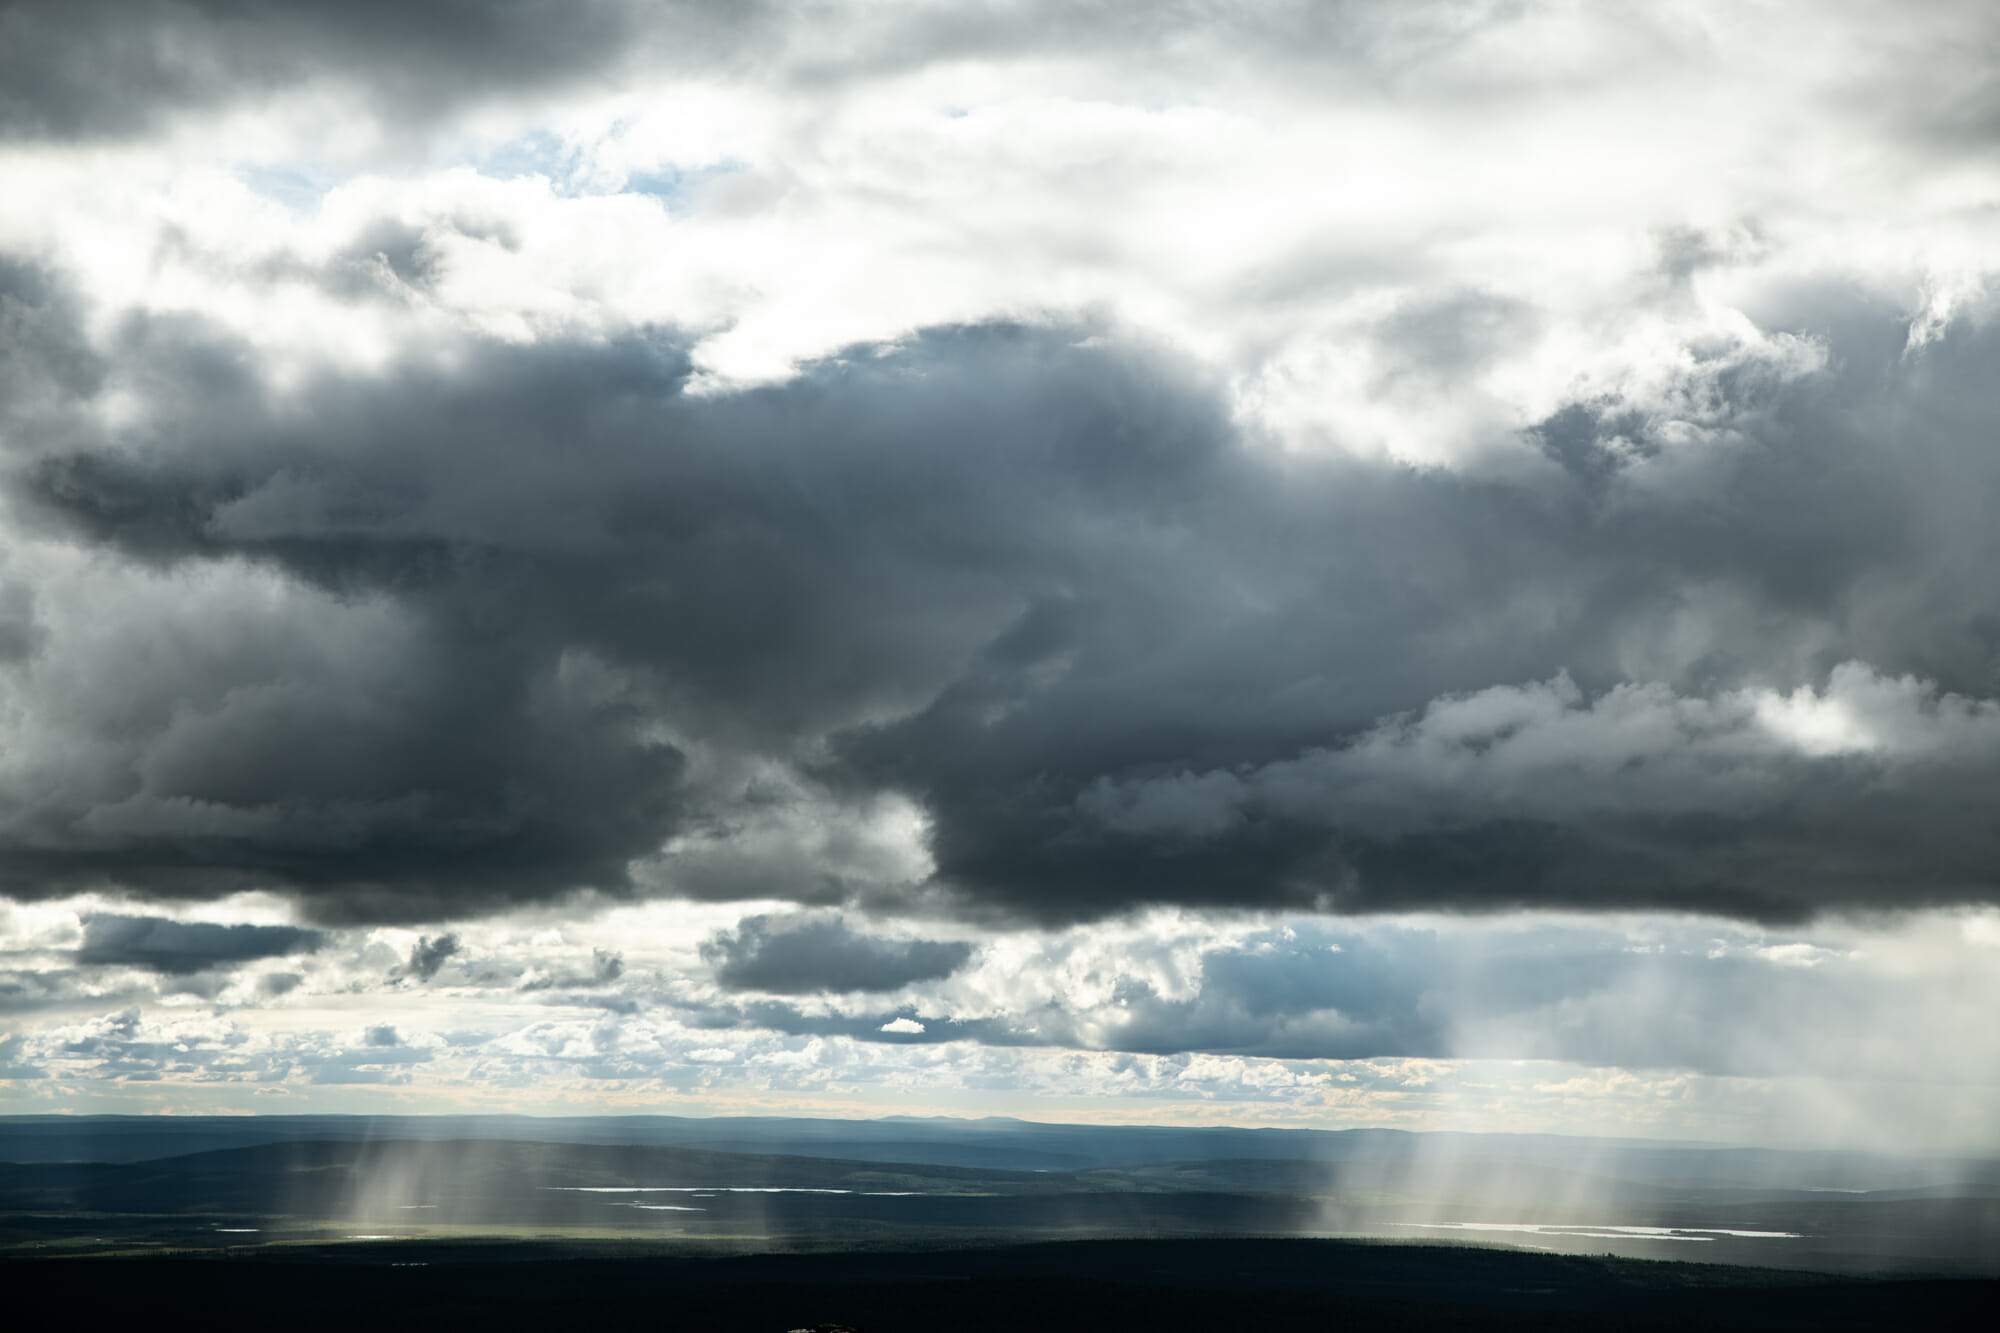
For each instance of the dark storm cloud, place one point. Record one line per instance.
(439, 767)
(803, 956)
(404, 761)
(1119, 654)
(754, 571)
(90, 68)
(1814, 542)
(162, 945)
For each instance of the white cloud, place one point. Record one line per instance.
(1294, 231)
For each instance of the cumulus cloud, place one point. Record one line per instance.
(799, 956)
(428, 955)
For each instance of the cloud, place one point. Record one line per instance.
(1164, 1005)
(94, 68)
(428, 955)
(1114, 650)
(162, 945)
(1661, 993)
(1752, 802)
(489, 702)
(606, 967)
(1237, 556)
(442, 558)
(801, 956)
(10, 1050)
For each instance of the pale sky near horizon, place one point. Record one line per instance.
(1421, 564)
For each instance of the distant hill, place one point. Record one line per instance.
(999, 1143)
(118, 1184)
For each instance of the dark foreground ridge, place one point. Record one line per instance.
(1155, 1285)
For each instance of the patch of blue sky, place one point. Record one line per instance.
(570, 172)
(536, 153)
(299, 186)
(672, 185)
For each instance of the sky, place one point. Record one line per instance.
(1320, 564)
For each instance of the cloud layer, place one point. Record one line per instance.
(1209, 552)
(165, 945)
(1673, 1026)
(1115, 649)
